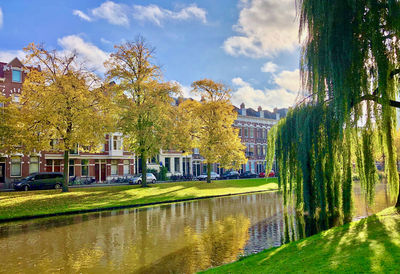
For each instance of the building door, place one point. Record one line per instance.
(97, 172)
(2, 172)
(100, 171)
(103, 173)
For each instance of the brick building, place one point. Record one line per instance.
(111, 161)
(253, 130)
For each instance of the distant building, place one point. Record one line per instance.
(253, 129)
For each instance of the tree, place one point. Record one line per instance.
(62, 103)
(9, 133)
(349, 69)
(210, 126)
(145, 102)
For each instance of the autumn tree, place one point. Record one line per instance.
(210, 126)
(9, 132)
(145, 102)
(62, 103)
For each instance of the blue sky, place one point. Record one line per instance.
(250, 45)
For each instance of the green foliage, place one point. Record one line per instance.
(349, 72)
(350, 55)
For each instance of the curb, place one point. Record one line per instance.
(23, 218)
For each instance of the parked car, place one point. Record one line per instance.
(248, 174)
(213, 175)
(261, 174)
(271, 174)
(230, 175)
(40, 180)
(137, 179)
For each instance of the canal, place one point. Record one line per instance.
(176, 238)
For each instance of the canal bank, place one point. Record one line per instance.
(38, 204)
(368, 245)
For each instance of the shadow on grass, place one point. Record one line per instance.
(369, 245)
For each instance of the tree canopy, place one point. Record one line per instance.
(209, 125)
(62, 103)
(349, 69)
(144, 100)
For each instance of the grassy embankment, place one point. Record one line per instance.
(368, 245)
(38, 203)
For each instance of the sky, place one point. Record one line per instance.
(250, 45)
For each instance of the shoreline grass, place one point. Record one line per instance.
(19, 205)
(368, 245)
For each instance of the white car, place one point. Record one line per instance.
(213, 175)
(137, 179)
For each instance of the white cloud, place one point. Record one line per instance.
(8, 55)
(265, 27)
(187, 91)
(284, 95)
(114, 13)
(105, 41)
(82, 15)
(155, 14)
(1, 17)
(91, 55)
(289, 80)
(269, 67)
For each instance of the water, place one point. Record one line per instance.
(178, 238)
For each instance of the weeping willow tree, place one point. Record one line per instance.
(349, 70)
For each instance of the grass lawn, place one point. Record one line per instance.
(36, 203)
(368, 245)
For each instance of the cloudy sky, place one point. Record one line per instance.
(250, 45)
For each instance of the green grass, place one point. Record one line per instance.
(368, 245)
(36, 203)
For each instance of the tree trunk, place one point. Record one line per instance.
(66, 171)
(398, 199)
(144, 169)
(208, 172)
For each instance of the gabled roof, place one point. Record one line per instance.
(15, 63)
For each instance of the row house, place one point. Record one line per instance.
(112, 161)
(253, 130)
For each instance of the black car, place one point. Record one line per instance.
(248, 174)
(41, 180)
(230, 175)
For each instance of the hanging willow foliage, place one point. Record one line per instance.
(349, 69)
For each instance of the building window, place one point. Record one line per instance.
(264, 150)
(75, 150)
(240, 132)
(15, 98)
(251, 133)
(85, 167)
(246, 132)
(16, 166)
(168, 164)
(71, 167)
(126, 167)
(114, 167)
(251, 150)
(16, 76)
(117, 143)
(259, 150)
(34, 164)
(177, 165)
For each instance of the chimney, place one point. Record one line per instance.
(243, 109)
(260, 112)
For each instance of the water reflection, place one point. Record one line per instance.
(177, 238)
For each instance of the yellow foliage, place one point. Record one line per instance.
(208, 125)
